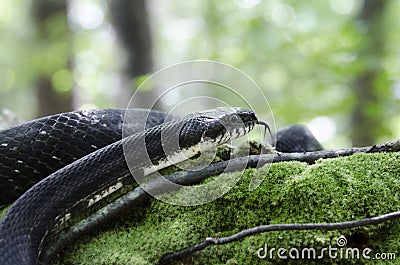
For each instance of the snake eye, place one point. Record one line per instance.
(233, 119)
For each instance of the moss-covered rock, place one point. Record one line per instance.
(332, 190)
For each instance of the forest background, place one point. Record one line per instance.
(332, 65)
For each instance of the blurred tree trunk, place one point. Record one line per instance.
(130, 20)
(54, 84)
(370, 86)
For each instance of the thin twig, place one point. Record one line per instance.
(275, 227)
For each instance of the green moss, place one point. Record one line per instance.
(332, 190)
(3, 211)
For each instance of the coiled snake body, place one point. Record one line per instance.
(34, 150)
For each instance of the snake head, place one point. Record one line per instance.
(217, 126)
(178, 140)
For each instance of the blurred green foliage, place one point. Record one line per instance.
(303, 54)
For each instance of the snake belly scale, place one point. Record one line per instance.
(31, 216)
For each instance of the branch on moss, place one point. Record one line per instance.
(311, 157)
(167, 259)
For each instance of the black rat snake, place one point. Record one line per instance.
(49, 147)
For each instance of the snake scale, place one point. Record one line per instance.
(65, 158)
